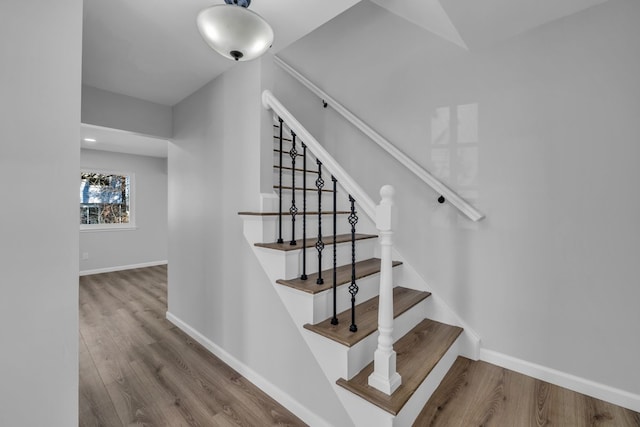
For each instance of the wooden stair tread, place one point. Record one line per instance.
(315, 190)
(366, 317)
(343, 275)
(288, 213)
(311, 242)
(417, 354)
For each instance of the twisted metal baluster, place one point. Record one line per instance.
(293, 210)
(353, 288)
(280, 187)
(304, 212)
(319, 243)
(334, 319)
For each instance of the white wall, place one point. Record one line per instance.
(147, 243)
(114, 110)
(216, 284)
(40, 43)
(551, 276)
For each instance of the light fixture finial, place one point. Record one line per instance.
(243, 3)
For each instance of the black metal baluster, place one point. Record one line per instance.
(304, 212)
(353, 288)
(334, 319)
(319, 243)
(293, 210)
(280, 188)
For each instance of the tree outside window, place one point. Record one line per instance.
(105, 198)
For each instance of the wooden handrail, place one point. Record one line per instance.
(438, 186)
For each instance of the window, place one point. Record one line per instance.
(105, 200)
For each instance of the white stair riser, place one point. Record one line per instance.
(364, 250)
(312, 228)
(333, 356)
(318, 307)
(342, 200)
(314, 308)
(343, 227)
(256, 228)
(299, 304)
(279, 264)
(342, 196)
(368, 288)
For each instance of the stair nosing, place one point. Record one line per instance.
(316, 289)
(370, 304)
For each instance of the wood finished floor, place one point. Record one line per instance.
(481, 394)
(136, 368)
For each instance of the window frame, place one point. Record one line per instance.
(131, 225)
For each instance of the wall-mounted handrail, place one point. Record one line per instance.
(270, 102)
(437, 185)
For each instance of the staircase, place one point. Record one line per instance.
(349, 293)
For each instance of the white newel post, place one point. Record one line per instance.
(384, 376)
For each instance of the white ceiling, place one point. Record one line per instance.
(428, 14)
(151, 49)
(482, 23)
(473, 23)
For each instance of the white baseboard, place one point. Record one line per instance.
(122, 267)
(258, 380)
(562, 379)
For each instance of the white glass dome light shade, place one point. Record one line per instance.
(235, 32)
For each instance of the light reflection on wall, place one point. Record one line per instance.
(455, 153)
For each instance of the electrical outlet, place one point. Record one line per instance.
(85, 255)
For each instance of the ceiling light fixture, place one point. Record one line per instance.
(90, 140)
(234, 31)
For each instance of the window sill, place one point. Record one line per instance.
(103, 228)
